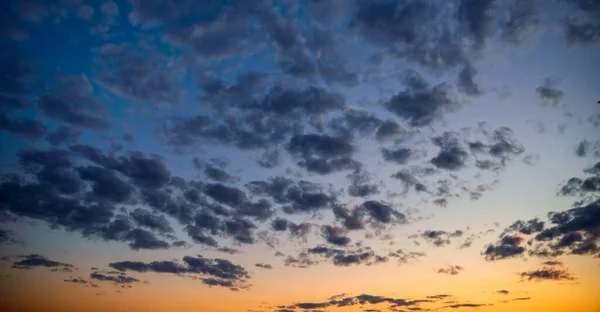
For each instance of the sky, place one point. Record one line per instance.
(280, 155)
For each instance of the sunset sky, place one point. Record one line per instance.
(281, 155)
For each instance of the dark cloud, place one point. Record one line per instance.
(218, 174)
(452, 155)
(508, 246)
(78, 280)
(439, 238)
(409, 181)
(117, 280)
(63, 135)
(451, 270)
(231, 196)
(264, 266)
(549, 93)
(503, 292)
(142, 239)
(390, 130)
(295, 196)
(35, 260)
(232, 275)
(382, 212)
(270, 159)
(154, 222)
(466, 83)
(106, 184)
(586, 148)
(352, 219)
(139, 72)
(279, 224)
(578, 32)
(527, 227)
(341, 257)
(145, 172)
(360, 185)
(73, 102)
(581, 33)
(356, 123)
(572, 231)
(421, 107)
(522, 21)
(383, 303)
(322, 154)
(477, 16)
(19, 78)
(552, 263)
(547, 274)
(277, 116)
(335, 235)
(382, 22)
(399, 156)
(231, 251)
(7, 237)
(466, 305)
(585, 188)
(23, 128)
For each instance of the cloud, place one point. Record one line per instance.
(219, 272)
(322, 154)
(523, 20)
(118, 279)
(276, 117)
(218, 174)
(421, 107)
(338, 257)
(476, 16)
(35, 260)
(155, 222)
(466, 82)
(581, 33)
(503, 292)
(264, 266)
(452, 155)
(399, 156)
(7, 237)
(60, 104)
(382, 212)
(379, 303)
(296, 196)
(547, 274)
(142, 239)
(439, 238)
(360, 185)
(335, 235)
(63, 135)
(549, 93)
(23, 128)
(450, 270)
(355, 123)
(79, 280)
(508, 247)
(390, 130)
(570, 231)
(586, 148)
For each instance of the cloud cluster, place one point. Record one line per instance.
(573, 231)
(212, 272)
(35, 260)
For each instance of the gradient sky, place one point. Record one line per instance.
(280, 155)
